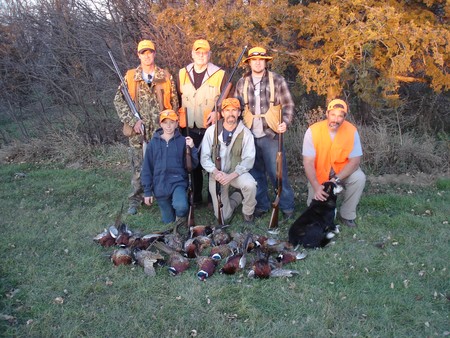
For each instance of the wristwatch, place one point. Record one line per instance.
(336, 179)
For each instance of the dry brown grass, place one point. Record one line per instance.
(385, 150)
(68, 149)
(388, 152)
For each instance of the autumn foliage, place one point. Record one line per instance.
(390, 59)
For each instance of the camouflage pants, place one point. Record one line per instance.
(136, 197)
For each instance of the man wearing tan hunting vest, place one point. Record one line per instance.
(332, 151)
(236, 149)
(199, 86)
(152, 90)
(265, 93)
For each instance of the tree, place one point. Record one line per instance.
(385, 55)
(369, 48)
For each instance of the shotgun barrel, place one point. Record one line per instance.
(126, 94)
(190, 218)
(217, 160)
(279, 177)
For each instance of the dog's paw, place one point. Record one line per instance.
(337, 229)
(330, 235)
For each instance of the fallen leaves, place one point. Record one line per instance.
(11, 293)
(10, 319)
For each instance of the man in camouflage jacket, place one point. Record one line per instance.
(152, 90)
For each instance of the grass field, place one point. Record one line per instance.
(387, 278)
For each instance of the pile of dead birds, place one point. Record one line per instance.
(209, 249)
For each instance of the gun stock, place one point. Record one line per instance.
(126, 95)
(274, 216)
(275, 205)
(228, 85)
(225, 92)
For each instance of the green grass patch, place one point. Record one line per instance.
(387, 278)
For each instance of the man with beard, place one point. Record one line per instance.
(237, 154)
(265, 93)
(332, 151)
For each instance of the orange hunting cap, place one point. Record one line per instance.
(201, 44)
(337, 104)
(258, 53)
(146, 45)
(235, 103)
(168, 114)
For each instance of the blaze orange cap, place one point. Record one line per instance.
(201, 44)
(168, 114)
(146, 45)
(337, 104)
(231, 102)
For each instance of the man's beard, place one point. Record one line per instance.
(231, 120)
(334, 125)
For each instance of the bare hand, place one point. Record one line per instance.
(320, 194)
(148, 200)
(211, 118)
(282, 127)
(189, 142)
(224, 178)
(138, 127)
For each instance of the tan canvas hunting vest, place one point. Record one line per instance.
(272, 116)
(200, 102)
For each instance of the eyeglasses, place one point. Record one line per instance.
(198, 53)
(144, 52)
(258, 54)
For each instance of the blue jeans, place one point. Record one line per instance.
(266, 165)
(176, 205)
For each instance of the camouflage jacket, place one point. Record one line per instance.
(147, 104)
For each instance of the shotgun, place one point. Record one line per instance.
(126, 95)
(218, 163)
(273, 225)
(190, 218)
(217, 159)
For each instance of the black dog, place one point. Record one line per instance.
(315, 227)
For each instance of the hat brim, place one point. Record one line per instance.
(268, 58)
(144, 49)
(231, 105)
(168, 118)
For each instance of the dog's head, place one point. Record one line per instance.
(332, 188)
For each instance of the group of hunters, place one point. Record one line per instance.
(178, 119)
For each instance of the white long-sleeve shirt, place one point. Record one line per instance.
(247, 155)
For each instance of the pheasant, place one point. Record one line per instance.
(121, 256)
(206, 266)
(177, 263)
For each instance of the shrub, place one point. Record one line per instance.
(385, 150)
(68, 148)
